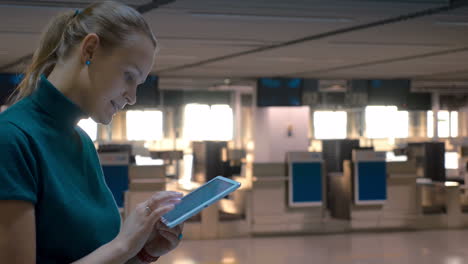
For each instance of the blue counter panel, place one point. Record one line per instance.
(117, 179)
(307, 182)
(372, 181)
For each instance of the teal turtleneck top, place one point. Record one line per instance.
(46, 159)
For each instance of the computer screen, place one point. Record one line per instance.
(388, 92)
(279, 92)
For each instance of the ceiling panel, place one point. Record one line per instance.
(64, 3)
(423, 68)
(190, 32)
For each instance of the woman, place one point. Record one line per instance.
(55, 206)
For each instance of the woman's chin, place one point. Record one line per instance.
(104, 119)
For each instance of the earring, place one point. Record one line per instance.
(88, 62)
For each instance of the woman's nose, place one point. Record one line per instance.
(130, 97)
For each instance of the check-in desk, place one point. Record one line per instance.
(306, 183)
(115, 169)
(373, 194)
(144, 181)
(235, 212)
(464, 188)
(463, 195)
(289, 198)
(370, 177)
(369, 185)
(130, 184)
(441, 205)
(410, 202)
(402, 209)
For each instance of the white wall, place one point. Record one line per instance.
(271, 132)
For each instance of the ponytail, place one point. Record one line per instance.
(44, 58)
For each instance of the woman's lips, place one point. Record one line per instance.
(116, 108)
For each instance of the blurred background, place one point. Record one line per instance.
(343, 117)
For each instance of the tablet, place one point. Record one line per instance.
(199, 199)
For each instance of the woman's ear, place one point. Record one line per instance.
(88, 48)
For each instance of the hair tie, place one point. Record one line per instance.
(77, 12)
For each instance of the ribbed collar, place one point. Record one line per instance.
(61, 109)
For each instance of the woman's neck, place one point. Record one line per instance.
(64, 78)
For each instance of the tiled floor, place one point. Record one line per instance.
(428, 247)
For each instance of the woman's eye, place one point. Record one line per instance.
(129, 77)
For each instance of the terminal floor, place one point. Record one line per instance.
(427, 247)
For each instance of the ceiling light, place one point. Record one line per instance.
(451, 184)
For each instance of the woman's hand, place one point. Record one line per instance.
(163, 239)
(139, 225)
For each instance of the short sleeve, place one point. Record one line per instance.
(18, 175)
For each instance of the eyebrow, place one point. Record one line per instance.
(138, 69)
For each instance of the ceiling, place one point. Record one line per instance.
(208, 42)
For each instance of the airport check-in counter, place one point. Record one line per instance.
(441, 201)
(412, 202)
(306, 183)
(144, 181)
(361, 190)
(115, 167)
(374, 194)
(440, 204)
(370, 177)
(289, 197)
(418, 201)
(130, 184)
(235, 211)
(464, 172)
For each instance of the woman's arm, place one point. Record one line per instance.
(17, 232)
(134, 260)
(18, 238)
(112, 252)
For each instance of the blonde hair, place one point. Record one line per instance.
(113, 22)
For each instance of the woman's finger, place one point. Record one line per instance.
(158, 212)
(172, 231)
(173, 238)
(162, 196)
(180, 228)
(162, 199)
(176, 230)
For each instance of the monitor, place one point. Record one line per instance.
(279, 92)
